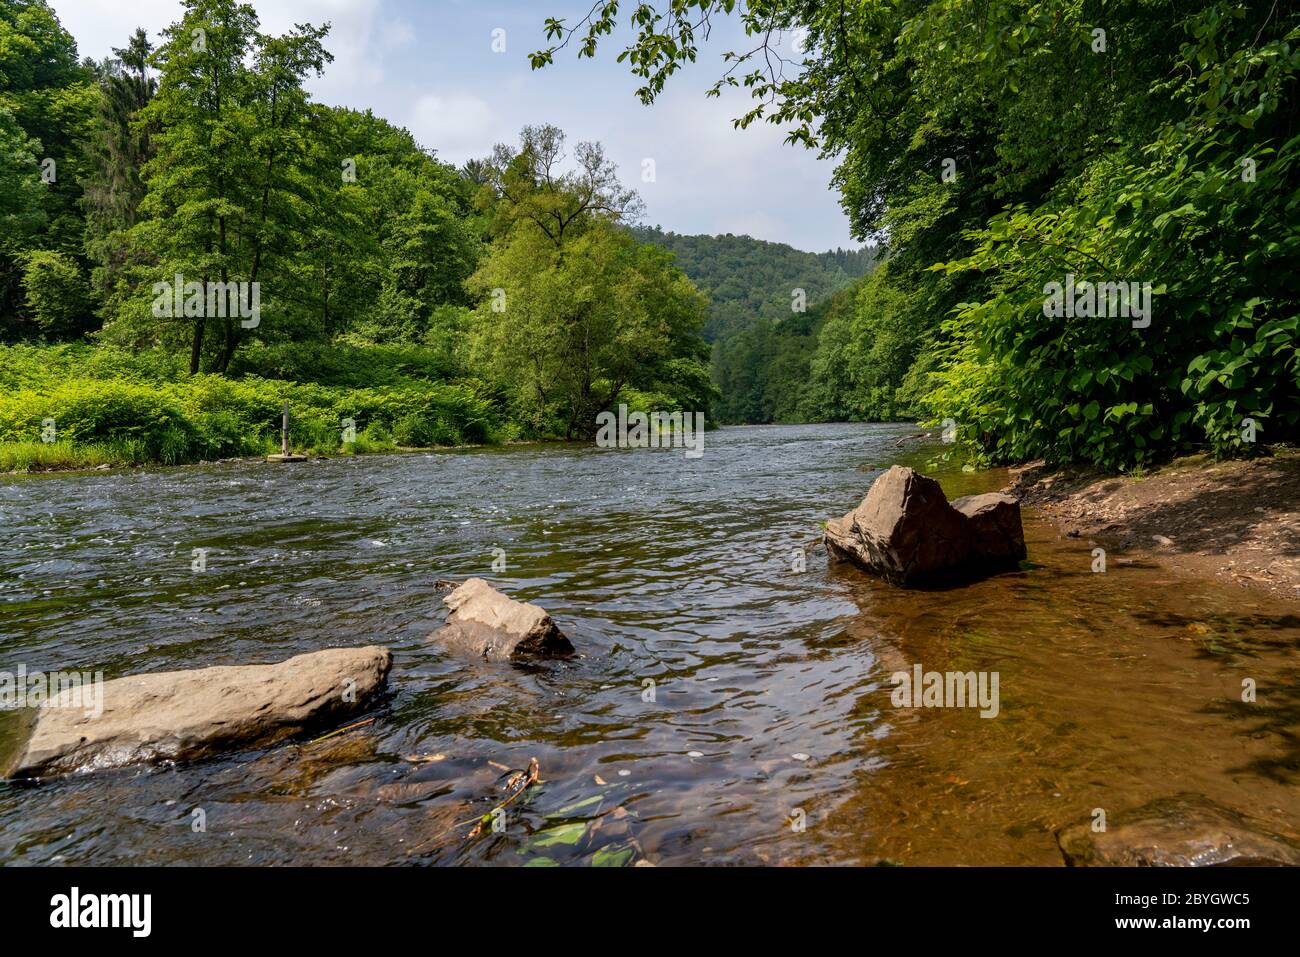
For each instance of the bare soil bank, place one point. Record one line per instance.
(1238, 521)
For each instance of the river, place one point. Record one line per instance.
(728, 705)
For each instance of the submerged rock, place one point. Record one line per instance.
(485, 622)
(183, 715)
(1180, 831)
(906, 531)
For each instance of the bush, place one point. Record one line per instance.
(343, 364)
(109, 405)
(87, 411)
(56, 293)
(422, 430)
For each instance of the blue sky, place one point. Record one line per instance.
(428, 65)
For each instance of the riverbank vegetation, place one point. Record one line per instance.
(994, 149)
(988, 153)
(305, 253)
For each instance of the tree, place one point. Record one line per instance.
(56, 293)
(574, 311)
(120, 147)
(50, 98)
(229, 193)
(997, 147)
(22, 211)
(532, 184)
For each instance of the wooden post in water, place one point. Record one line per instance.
(284, 455)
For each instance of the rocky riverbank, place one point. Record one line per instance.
(1238, 521)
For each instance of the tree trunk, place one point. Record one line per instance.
(196, 350)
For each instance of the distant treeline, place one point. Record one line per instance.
(768, 304)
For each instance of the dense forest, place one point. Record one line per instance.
(749, 279)
(768, 303)
(1077, 226)
(1136, 158)
(189, 240)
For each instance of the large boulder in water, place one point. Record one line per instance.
(1185, 830)
(182, 715)
(486, 623)
(906, 531)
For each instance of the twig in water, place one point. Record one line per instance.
(519, 782)
(350, 727)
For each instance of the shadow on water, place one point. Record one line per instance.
(731, 701)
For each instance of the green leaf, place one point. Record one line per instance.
(563, 834)
(610, 856)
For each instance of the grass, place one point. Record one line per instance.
(61, 456)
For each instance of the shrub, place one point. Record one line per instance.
(56, 293)
(86, 411)
(425, 429)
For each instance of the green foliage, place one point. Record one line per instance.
(89, 412)
(1179, 213)
(573, 309)
(748, 280)
(56, 291)
(999, 147)
(47, 100)
(112, 406)
(200, 155)
(766, 306)
(351, 364)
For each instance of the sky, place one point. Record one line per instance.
(429, 65)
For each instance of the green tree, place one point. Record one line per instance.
(120, 146)
(51, 98)
(573, 310)
(56, 293)
(999, 146)
(229, 192)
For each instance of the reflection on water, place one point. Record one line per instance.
(769, 706)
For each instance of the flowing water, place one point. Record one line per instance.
(727, 705)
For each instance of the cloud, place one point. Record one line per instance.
(395, 34)
(458, 125)
(430, 67)
(98, 27)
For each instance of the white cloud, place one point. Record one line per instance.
(395, 34)
(432, 70)
(98, 26)
(458, 125)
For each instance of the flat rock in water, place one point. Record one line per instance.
(906, 531)
(1186, 830)
(487, 623)
(183, 715)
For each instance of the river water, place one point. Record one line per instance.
(729, 704)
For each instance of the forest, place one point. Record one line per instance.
(768, 303)
(993, 149)
(401, 302)
(987, 153)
